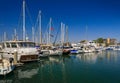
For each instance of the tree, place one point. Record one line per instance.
(100, 40)
(82, 41)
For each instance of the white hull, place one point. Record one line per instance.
(55, 52)
(6, 67)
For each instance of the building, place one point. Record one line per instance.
(110, 41)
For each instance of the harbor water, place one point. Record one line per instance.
(103, 67)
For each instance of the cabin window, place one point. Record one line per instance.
(13, 45)
(31, 44)
(7, 45)
(20, 44)
(24, 44)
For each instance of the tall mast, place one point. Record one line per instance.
(5, 36)
(86, 32)
(0, 38)
(15, 34)
(47, 35)
(50, 30)
(40, 27)
(24, 20)
(33, 34)
(62, 33)
(66, 34)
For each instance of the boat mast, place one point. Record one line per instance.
(40, 27)
(62, 33)
(33, 34)
(67, 35)
(24, 20)
(5, 36)
(47, 35)
(15, 34)
(86, 32)
(50, 30)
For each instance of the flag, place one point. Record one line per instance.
(51, 28)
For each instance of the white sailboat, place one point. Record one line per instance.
(49, 48)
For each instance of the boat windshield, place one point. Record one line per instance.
(8, 45)
(13, 45)
(26, 44)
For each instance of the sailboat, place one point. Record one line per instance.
(50, 48)
(66, 49)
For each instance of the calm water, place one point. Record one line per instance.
(82, 68)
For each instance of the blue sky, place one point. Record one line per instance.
(102, 17)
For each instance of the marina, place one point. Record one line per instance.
(87, 68)
(59, 43)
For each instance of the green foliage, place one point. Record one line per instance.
(95, 41)
(82, 41)
(100, 40)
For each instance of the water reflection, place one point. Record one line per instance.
(25, 72)
(62, 69)
(46, 70)
(55, 68)
(6, 81)
(109, 56)
(87, 57)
